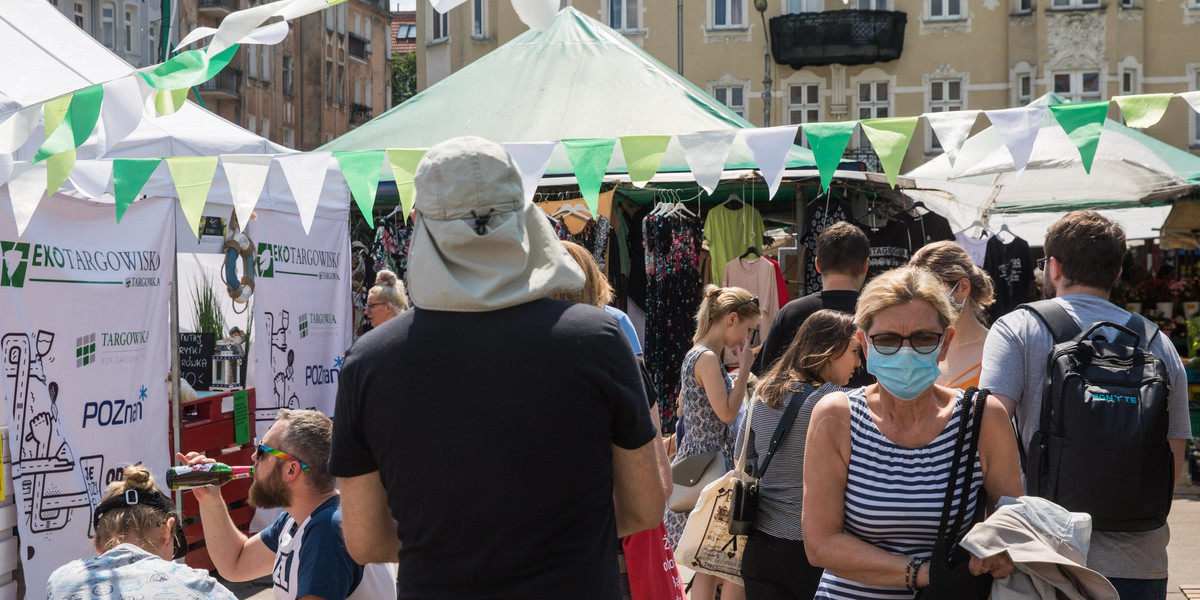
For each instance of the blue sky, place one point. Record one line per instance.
(404, 4)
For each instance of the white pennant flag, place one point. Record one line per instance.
(25, 189)
(444, 6)
(1192, 98)
(6, 166)
(247, 173)
(305, 174)
(120, 113)
(706, 153)
(239, 24)
(267, 35)
(90, 177)
(538, 14)
(952, 129)
(771, 147)
(531, 160)
(17, 127)
(1018, 127)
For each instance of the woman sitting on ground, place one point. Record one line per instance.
(137, 535)
(970, 292)
(822, 357)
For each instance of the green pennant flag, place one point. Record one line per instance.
(361, 171)
(129, 176)
(187, 69)
(76, 124)
(404, 166)
(168, 102)
(58, 168)
(193, 176)
(643, 155)
(589, 158)
(890, 137)
(828, 142)
(1083, 122)
(54, 112)
(1143, 110)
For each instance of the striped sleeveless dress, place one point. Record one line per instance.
(894, 496)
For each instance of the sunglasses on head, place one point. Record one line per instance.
(745, 302)
(264, 449)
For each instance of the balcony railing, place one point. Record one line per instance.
(217, 6)
(847, 37)
(358, 46)
(226, 85)
(360, 113)
(866, 156)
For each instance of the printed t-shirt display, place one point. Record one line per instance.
(975, 247)
(729, 232)
(1010, 265)
(528, 512)
(927, 228)
(820, 214)
(889, 247)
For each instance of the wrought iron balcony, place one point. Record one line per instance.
(225, 86)
(218, 7)
(360, 113)
(866, 156)
(358, 46)
(847, 37)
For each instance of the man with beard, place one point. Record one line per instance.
(303, 549)
(1084, 253)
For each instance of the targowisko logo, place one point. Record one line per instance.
(1115, 398)
(14, 275)
(123, 338)
(303, 326)
(17, 257)
(269, 255)
(85, 350)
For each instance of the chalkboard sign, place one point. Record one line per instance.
(195, 359)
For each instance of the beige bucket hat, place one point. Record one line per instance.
(478, 245)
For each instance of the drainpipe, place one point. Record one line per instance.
(679, 17)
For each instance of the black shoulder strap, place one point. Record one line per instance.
(1142, 326)
(1062, 327)
(785, 423)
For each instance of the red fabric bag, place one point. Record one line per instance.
(651, 566)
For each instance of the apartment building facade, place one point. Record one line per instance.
(130, 28)
(834, 60)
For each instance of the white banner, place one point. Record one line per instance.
(302, 319)
(85, 351)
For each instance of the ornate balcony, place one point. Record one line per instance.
(359, 114)
(225, 86)
(217, 7)
(847, 37)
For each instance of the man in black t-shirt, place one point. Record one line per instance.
(843, 253)
(493, 440)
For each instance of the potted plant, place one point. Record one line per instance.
(1157, 294)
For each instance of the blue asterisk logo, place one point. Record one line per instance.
(142, 393)
(337, 362)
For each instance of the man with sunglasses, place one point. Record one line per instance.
(303, 549)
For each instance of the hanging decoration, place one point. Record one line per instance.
(705, 153)
(404, 169)
(305, 175)
(1143, 110)
(643, 155)
(952, 129)
(1083, 123)
(247, 174)
(890, 138)
(26, 186)
(531, 160)
(771, 147)
(129, 176)
(1018, 128)
(193, 177)
(361, 171)
(829, 141)
(589, 158)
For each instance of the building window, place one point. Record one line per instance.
(341, 19)
(1067, 4)
(329, 81)
(1024, 6)
(733, 96)
(330, 19)
(1079, 86)
(252, 60)
(152, 34)
(130, 27)
(81, 16)
(944, 95)
(1128, 82)
(108, 32)
(729, 13)
(266, 128)
(479, 18)
(804, 6)
(289, 137)
(804, 106)
(265, 51)
(1127, 4)
(357, 91)
(252, 123)
(367, 95)
(287, 75)
(341, 84)
(874, 102)
(623, 14)
(367, 32)
(870, 4)
(945, 9)
(441, 26)
(1024, 89)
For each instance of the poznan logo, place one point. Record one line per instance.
(85, 350)
(12, 269)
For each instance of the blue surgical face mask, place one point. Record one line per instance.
(905, 374)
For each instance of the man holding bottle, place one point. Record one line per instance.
(303, 549)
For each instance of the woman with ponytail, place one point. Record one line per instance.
(710, 397)
(970, 292)
(138, 535)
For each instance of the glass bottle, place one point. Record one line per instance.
(205, 474)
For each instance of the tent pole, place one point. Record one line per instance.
(176, 392)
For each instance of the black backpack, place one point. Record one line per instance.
(1101, 445)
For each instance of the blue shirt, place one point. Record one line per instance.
(627, 327)
(129, 571)
(311, 558)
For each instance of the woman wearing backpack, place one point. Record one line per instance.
(822, 357)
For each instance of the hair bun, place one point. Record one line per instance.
(385, 277)
(138, 477)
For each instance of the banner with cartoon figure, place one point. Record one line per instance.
(302, 320)
(84, 336)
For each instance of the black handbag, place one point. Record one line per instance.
(744, 506)
(950, 577)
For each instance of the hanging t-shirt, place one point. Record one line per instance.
(819, 215)
(780, 283)
(756, 275)
(1010, 265)
(927, 229)
(975, 247)
(730, 232)
(889, 247)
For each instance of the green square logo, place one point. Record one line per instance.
(304, 325)
(264, 262)
(12, 274)
(85, 350)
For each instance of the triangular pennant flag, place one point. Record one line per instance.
(404, 166)
(188, 68)
(247, 174)
(121, 112)
(305, 175)
(531, 160)
(6, 166)
(129, 177)
(1018, 129)
(361, 170)
(1143, 110)
(17, 127)
(771, 147)
(193, 177)
(828, 142)
(444, 6)
(1192, 98)
(77, 124)
(26, 187)
(55, 111)
(168, 102)
(705, 153)
(91, 177)
(1083, 122)
(537, 14)
(58, 168)
(589, 158)
(952, 128)
(643, 154)
(890, 137)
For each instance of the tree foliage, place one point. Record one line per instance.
(404, 76)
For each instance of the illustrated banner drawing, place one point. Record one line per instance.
(85, 342)
(302, 318)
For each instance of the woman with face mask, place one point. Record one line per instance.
(877, 459)
(970, 292)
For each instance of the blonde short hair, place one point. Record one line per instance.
(901, 286)
(597, 291)
(951, 263)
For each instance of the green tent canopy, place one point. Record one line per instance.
(578, 79)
